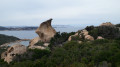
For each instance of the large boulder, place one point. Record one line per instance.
(107, 24)
(70, 37)
(34, 41)
(99, 37)
(84, 32)
(88, 37)
(12, 51)
(37, 47)
(46, 31)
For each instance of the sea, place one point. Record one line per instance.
(30, 34)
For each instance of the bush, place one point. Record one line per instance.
(3, 64)
(39, 43)
(108, 32)
(27, 63)
(117, 25)
(59, 39)
(89, 28)
(32, 54)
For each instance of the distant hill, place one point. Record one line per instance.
(18, 28)
(3, 28)
(7, 39)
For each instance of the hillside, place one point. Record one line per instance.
(91, 47)
(7, 39)
(3, 28)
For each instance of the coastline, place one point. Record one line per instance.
(17, 41)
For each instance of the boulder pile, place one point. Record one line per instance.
(83, 35)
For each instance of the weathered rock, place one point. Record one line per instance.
(79, 42)
(11, 52)
(46, 44)
(76, 34)
(70, 37)
(84, 32)
(80, 36)
(36, 47)
(88, 37)
(34, 41)
(3, 55)
(107, 24)
(99, 37)
(46, 31)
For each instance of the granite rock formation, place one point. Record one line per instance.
(83, 34)
(37, 47)
(34, 41)
(99, 37)
(45, 32)
(88, 37)
(107, 24)
(12, 51)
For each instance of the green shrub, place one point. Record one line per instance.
(89, 28)
(3, 64)
(59, 39)
(39, 43)
(27, 63)
(72, 54)
(32, 54)
(109, 32)
(117, 25)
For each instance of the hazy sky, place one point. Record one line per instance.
(63, 12)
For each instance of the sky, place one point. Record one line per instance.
(63, 12)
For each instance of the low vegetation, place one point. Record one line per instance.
(72, 54)
(98, 53)
(117, 25)
(109, 32)
(59, 39)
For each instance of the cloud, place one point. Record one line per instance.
(63, 11)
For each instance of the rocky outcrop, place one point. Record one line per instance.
(36, 47)
(99, 37)
(83, 34)
(88, 37)
(12, 51)
(79, 42)
(34, 41)
(107, 24)
(70, 37)
(46, 44)
(45, 32)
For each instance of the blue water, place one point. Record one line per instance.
(31, 34)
